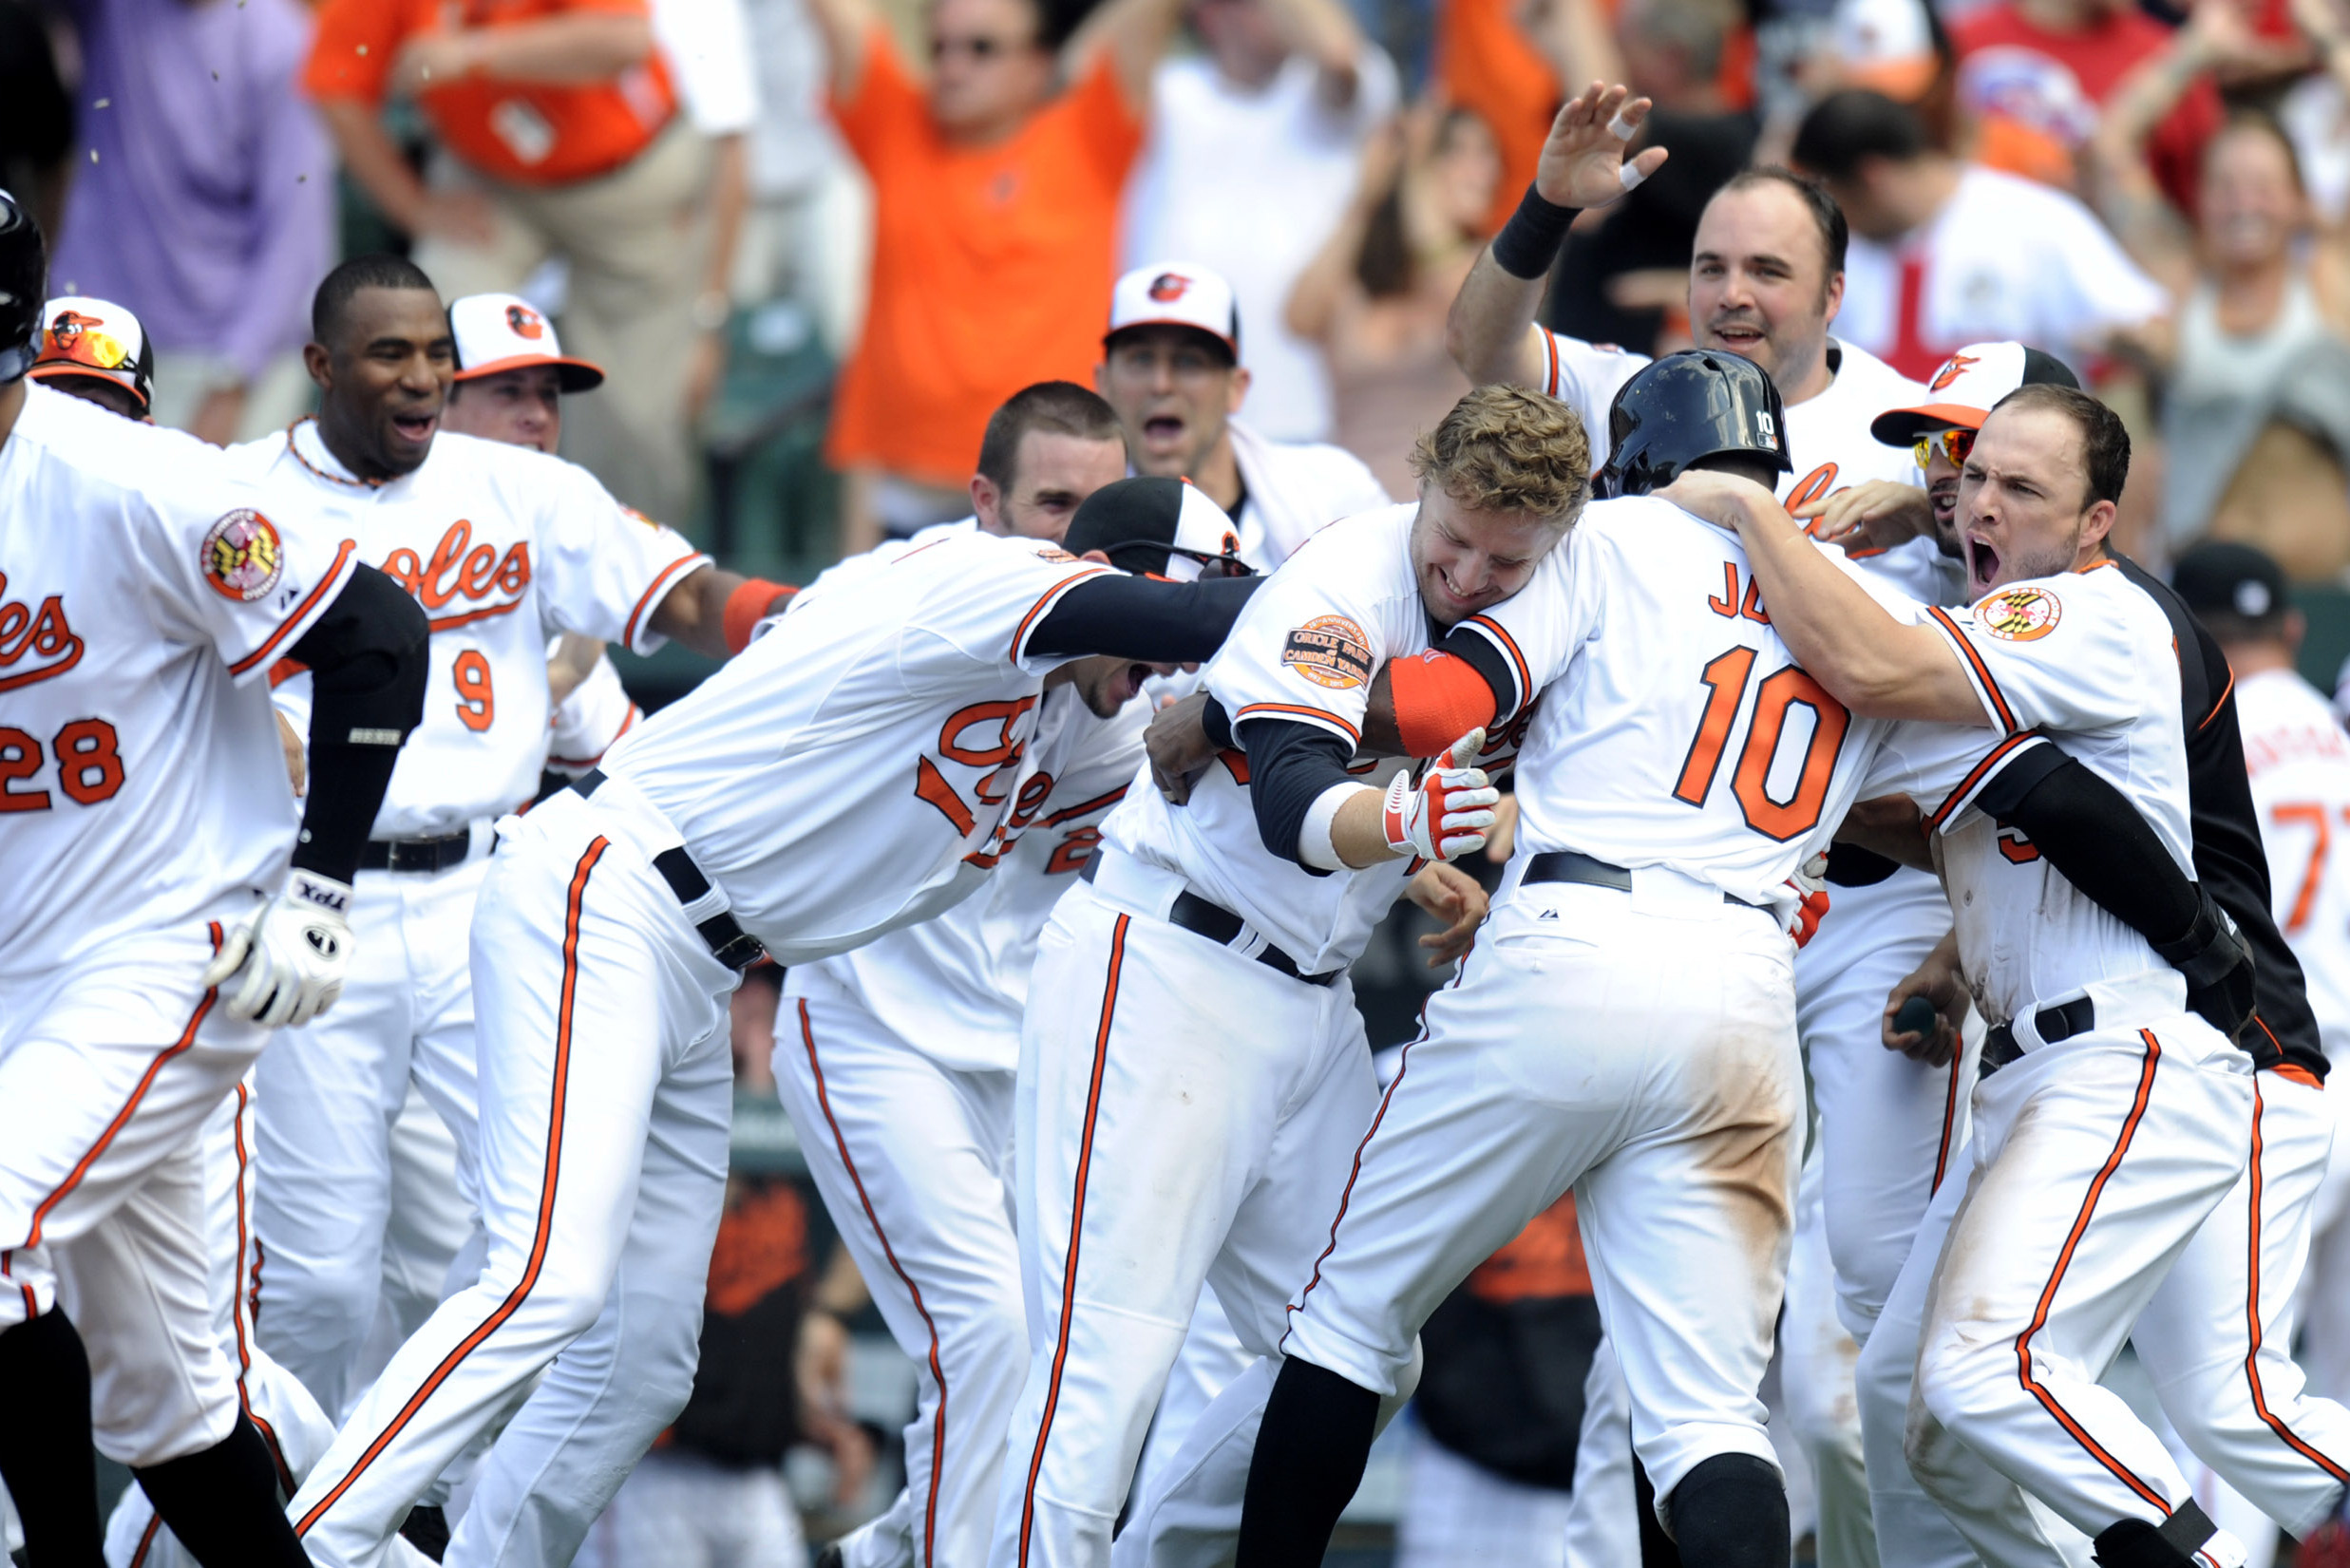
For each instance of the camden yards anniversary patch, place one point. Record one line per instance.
(1329, 651)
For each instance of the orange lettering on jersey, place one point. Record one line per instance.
(1727, 605)
(930, 785)
(1003, 715)
(459, 569)
(2018, 849)
(1811, 487)
(42, 634)
(1731, 604)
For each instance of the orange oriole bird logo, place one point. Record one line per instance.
(1950, 372)
(1169, 286)
(525, 322)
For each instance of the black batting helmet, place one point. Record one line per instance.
(24, 278)
(1696, 404)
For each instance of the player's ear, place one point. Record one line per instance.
(1097, 555)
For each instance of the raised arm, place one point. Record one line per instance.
(1876, 666)
(576, 48)
(847, 26)
(1140, 618)
(1136, 33)
(1492, 334)
(1325, 32)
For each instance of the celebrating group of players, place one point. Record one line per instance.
(1832, 700)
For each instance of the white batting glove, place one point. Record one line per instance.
(1449, 812)
(285, 966)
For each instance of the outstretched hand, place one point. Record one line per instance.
(1582, 163)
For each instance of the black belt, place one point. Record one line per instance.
(1568, 865)
(728, 942)
(1221, 926)
(2062, 1022)
(416, 854)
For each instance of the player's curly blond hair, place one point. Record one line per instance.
(1507, 449)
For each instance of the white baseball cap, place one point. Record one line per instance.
(88, 339)
(1888, 45)
(1176, 294)
(498, 332)
(1967, 386)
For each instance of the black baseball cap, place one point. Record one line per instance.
(2231, 579)
(1158, 527)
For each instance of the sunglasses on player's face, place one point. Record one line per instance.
(1215, 566)
(1953, 444)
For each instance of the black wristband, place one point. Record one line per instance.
(1529, 242)
(2209, 948)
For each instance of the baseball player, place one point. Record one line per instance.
(502, 547)
(1192, 1066)
(896, 1061)
(2301, 779)
(860, 767)
(147, 590)
(2216, 1338)
(511, 378)
(97, 350)
(1683, 1155)
(2110, 1121)
(1170, 366)
(1766, 280)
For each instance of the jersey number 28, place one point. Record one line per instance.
(1726, 678)
(89, 766)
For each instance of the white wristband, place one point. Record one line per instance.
(1314, 847)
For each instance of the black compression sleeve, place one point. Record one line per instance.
(1138, 618)
(2092, 835)
(368, 659)
(1216, 724)
(1290, 764)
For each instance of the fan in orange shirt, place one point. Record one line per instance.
(995, 206)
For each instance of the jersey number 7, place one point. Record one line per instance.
(1725, 680)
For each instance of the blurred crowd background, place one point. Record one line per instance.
(817, 241)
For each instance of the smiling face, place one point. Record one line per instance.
(384, 379)
(1758, 282)
(1467, 560)
(2023, 508)
(1173, 388)
(521, 407)
(2251, 204)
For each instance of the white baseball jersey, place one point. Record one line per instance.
(502, 545)
(894, 708)
(1828, 440)
(2299, 762)
(1682, 734)
(954, 988)
(2086, 659)
(144, 591)
(1307, 649)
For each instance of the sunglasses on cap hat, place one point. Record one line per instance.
(1954, 443)
(1224, 565)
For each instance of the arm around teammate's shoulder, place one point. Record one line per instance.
(1143, 618)
(1877, 666)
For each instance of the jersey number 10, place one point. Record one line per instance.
(1725, 679)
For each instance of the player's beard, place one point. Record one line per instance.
(2050, 560)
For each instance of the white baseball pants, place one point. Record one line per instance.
(913, 1161)
(1890, 1128)
(1640, 1048)
(295, 1428)
(2095, 1162)
(1185, 1116)
(606, 1086)
(110, 1068)
(331, 1094)
(1816, 1361)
